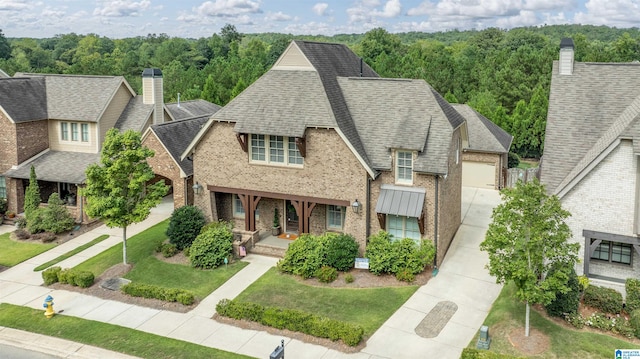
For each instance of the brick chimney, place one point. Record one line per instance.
(566, 56)
(153, 94)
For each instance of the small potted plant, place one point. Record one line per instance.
(275, 230)
(71, 199)
(11, 214)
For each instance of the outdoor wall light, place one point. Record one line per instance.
(356, 206)
(197, 188)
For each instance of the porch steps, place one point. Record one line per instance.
(9, 221)
(268, 250)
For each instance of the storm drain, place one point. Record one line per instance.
(436, 319)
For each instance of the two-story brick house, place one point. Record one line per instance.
(334, 147)
(590, 161)
(57, 123)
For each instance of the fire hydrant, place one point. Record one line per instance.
(48, 304)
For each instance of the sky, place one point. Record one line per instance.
(198, 18)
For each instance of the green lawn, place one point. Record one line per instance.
(107, 336)
(508, 313)
(71, 253)
(369, 307)
(149, 270)
(14, 252)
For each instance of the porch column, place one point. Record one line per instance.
(307, 208)
(299, 206)
(249, 204)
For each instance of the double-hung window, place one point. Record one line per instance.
(279, 150)
(335, 217)
(238, 210)
(404, 167)
(74, 131)
(3, 187)
(85, 132)
(403, 227)
(64, 131)
(613, 252)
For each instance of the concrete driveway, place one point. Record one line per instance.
(463, 286)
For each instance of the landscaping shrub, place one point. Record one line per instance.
(632, 287)
(584, 282)
(304, 256)
(50, 275)
(292, 320)
(211, 247)
(217, 225)
(155, 292)
(387, 255)
(83, 279)
(615, 324)
(21, 223)
(3, 206)
(44, 237)
(575, 319)
(35, 221)
(349, 278)
(605, 299)
(22, 234)
(168, 250)
(185, 224)
(341, 251)
(327, 274)
(634, 322)
(55, 216)
(67, 276)
(405, 275)
(566, 303)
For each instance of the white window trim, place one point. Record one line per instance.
(267, 149)
(397, 168)
(343, 213)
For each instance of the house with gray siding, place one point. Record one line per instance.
(334, 148)
(591, 154)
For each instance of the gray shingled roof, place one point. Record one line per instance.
(588, 110)
(484, 135)
(401, 113)
(177, 135)
(280, 103)
(191, 108)
(24, 99)
(54, 166)
(135, 115)
(78, 97)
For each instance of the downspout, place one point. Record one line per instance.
(186, 192)
(368, 214)
(435, 220)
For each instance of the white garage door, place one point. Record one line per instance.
(478, 174)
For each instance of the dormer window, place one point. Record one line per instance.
(73, 131)
(404, 167)
(275, 150)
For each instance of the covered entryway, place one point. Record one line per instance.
(478, 174)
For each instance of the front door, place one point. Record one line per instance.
(291, 219)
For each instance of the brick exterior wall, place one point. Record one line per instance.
(494, 158)
(330, 171)
(8, 144)
(164, 165)
(605, 201)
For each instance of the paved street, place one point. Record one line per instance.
(461, 284)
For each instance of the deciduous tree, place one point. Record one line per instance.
(117, 189)
(527, 244)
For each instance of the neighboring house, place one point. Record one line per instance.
(168, 141)
(590, 161)
(334, 148)
(58, 123)
(485, 159)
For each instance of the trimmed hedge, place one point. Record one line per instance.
(566, 303)
(292, 319)
(632, 287)
(155, 292)
(634, 322)
(184, 226)
(83, 279)
(393, 255)
(605, 299)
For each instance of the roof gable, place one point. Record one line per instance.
(588, 110)
(176, 136)
(293, 58)
(484, 135)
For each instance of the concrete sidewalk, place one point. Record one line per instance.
(462, 280)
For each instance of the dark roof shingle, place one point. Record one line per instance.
(177, 135)
(24, 99)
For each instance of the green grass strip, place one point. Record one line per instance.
(107, 336)
(367, 307)
(15, 252)
(70, 253)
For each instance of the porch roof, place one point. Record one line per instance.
(57, 166)
(401, 201)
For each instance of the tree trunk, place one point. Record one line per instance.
(124, 245)
(526, 320)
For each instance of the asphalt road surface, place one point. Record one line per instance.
(9, 352)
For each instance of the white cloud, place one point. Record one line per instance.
(320, 8)
(549, 5)
(119, 8)
(391, 9)
(49, 12)
(366, 11)
(278, 16)
(13, 5)
(610, 12)
(425, 8)
(525, 18)
(228, 8)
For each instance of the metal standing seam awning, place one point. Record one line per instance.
(401, 201)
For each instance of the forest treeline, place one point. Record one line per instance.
(503, 74)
